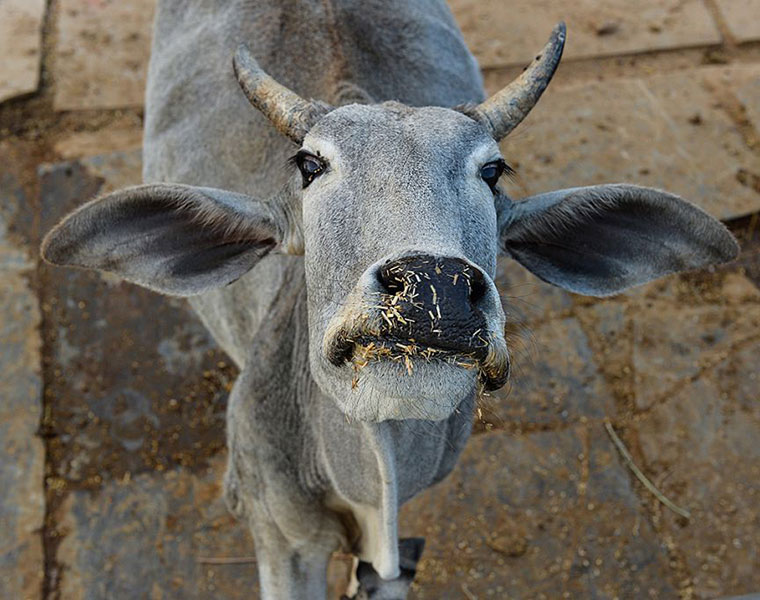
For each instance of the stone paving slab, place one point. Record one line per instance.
(20, 46)
(143, 538)
(123, 135)
(545, 515)
(501, 33)
(101, 53)
(700, 447)
(673, 343)
(654, 339)
(22, 453)
(742, 18)
(666, 131)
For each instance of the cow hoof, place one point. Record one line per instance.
(373, 587)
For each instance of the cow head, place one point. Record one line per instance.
(400, 218)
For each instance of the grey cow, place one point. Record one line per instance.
(342, 251)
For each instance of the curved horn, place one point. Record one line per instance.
(504, 111)
(288, 112)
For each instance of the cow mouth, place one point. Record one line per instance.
(366, 347)
(361, 348)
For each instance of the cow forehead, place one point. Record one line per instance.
(361, 128)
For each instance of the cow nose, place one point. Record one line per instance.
(431, 271)
(434, 301)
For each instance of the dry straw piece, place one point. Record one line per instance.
(640, 476)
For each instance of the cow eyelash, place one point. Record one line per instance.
(492, 171)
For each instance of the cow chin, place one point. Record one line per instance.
(390, 390)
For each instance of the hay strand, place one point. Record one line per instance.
(640, 476)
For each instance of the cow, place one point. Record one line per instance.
(340, 244)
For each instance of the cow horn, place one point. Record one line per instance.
(506, 109)
(288, 112)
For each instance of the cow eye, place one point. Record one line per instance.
(310, 166)
(490, 173)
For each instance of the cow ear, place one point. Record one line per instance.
(174, 239)
(600, 240)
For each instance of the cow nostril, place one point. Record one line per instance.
(388, 276)
(477, 286)
(395, 275)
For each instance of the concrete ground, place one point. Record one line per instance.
(112, 399)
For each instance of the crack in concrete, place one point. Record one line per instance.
(666, 396)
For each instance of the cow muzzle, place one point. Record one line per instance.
(424, 308)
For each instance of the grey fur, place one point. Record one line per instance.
(174, 239)
(318, 460)
(571, 238)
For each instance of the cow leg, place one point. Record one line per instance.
(285, 572)
(373, 587)
(293, 539)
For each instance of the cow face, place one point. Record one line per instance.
(400, 228)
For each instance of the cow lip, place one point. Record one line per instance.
(343, 347)
(493, 368)
(414, 349)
